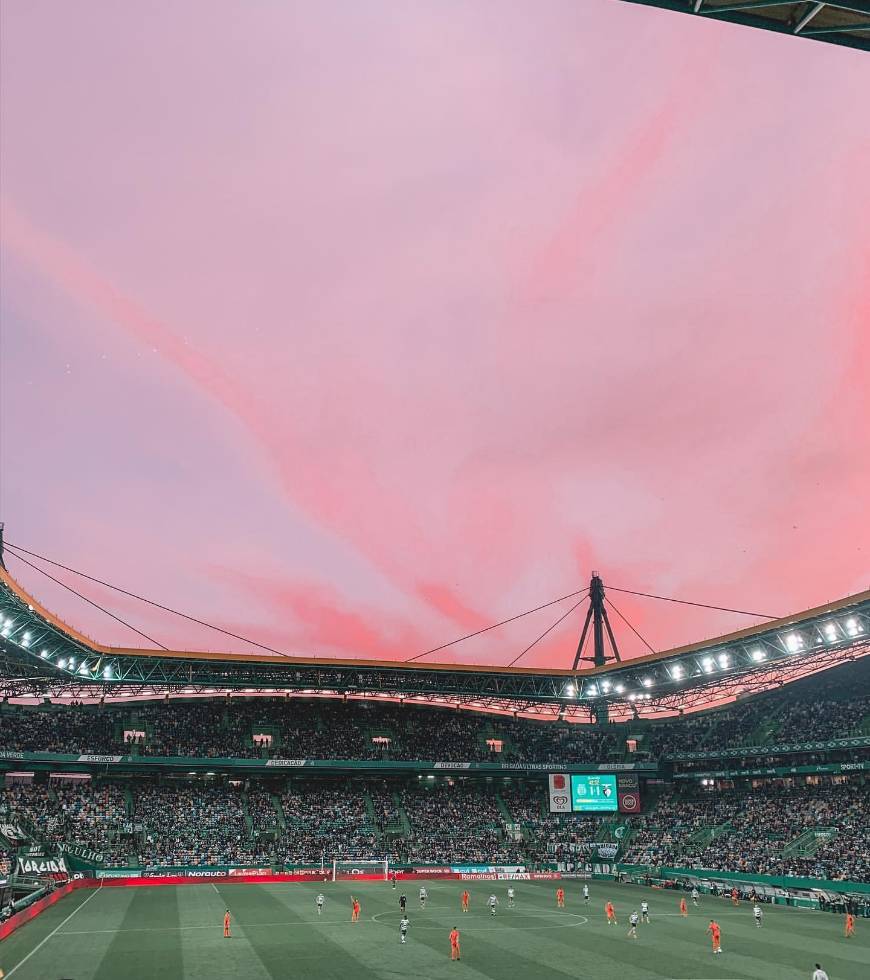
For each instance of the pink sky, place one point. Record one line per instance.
(352, 327)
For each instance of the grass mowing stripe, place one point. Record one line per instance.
(53, 932)
(302, 928)
(134, 955)
(279, 936)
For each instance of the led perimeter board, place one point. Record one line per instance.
(594, 793)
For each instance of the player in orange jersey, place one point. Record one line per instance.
(227, 925)
(354, 915)
(715, 935)
(735, 898)
(454, 944)
(611, 914)
(850, 924)
(684, 909)
(465, 898)
(560, 897)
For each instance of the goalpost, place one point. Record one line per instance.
(349, 869)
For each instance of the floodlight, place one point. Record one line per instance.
(758, 655)
(647, 682)
(707, 665)
(793, 642)
(724, 660)
(852, 627)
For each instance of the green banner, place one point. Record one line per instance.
(195, 764)
(780, 748)
(830, 768)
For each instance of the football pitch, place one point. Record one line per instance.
(177, 932)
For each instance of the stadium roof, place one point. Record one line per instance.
(42, 656)
(838, 22)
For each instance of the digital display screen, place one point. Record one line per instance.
(593, 793)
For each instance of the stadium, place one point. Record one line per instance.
(397, 450)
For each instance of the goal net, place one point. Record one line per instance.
(342, 870)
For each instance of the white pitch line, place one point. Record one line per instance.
(250, 925)
(213, 885)
(39, 946)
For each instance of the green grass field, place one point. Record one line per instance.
(169, 932)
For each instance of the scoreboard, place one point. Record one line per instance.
(594, 792)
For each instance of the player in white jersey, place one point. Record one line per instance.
(756, 911)
(644, 912)
(819, 973)
(320, 900)
(511, 895)
(695, 896)
(423, 897)
(403, 927)
(586, 894)
(632, 925)
(493, 901)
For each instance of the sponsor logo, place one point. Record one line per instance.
(11, 755)
(100, 758)
(491, 876)
(235, 872)
(286, 763)
(629, 802)
(452, 765)
(560, 797)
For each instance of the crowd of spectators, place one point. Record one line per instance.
(295, 728)
(758, 830)
(193, 825)
(823, 718)
(262, 810)
(78, 812)
(386, 813)
(752, 831)
(325, 821)
(454, 822)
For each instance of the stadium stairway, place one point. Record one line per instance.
(249, 820)
(370, 811)
(705, 836)
(503, 809)
(807, 843)
(404, 822)
(279, 810)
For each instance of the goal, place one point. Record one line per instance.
(343, 870)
